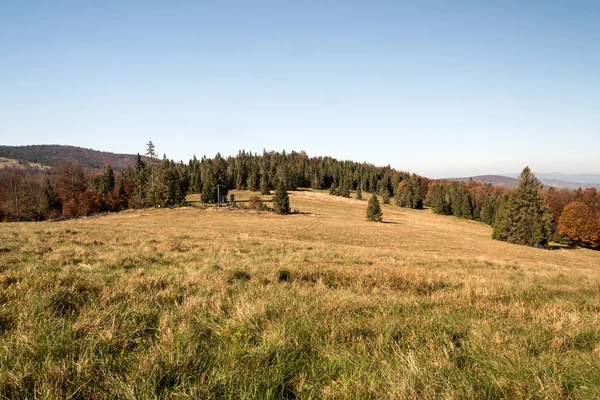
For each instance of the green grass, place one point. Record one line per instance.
(324, 305)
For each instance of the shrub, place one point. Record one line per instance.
(255, 203)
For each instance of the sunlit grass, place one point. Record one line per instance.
(210, 303)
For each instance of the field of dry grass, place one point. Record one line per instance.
(216, 303)
(10, 163)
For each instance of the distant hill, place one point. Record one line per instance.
(557, 180)
(50, 155)
(568, 181)
(495, 180)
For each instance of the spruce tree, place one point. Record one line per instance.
(216, 181)
(264, 184)
(374, 210)
(359, 191)
(524, 218)
(385, 195)
(281, 200)
(489, 208)
(49, 203)
(253, 181)
(344, 189)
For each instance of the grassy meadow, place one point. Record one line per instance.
(215, 303)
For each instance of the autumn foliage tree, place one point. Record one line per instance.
(580, 224)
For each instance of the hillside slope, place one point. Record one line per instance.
(51, 155)
(495, 180)
(218, 303)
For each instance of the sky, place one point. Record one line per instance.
(440, 88)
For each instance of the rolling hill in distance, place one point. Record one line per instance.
(51, 154)
(557, 180)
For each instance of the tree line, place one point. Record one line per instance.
(528, 214)
(67, 190)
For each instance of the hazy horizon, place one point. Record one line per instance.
(439, 89)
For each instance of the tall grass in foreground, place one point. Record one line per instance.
(232, 304)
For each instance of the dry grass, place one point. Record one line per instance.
(210, 303)
(10, 163)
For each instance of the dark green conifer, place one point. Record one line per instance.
(385, 195)
(524, 218)
(359, 191)
(374, 212)
(281, 200)
(216, 181)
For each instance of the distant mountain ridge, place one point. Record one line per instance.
(564, 181)
(494, 180)
(52, 154)
(569, 181)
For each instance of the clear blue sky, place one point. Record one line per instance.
(441, 88)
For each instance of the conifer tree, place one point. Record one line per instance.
(524, 218)
(264, 183)
(385, 195)
(417, 197)
(216, 182)
(374, 212)
(281, 200)
(343, 189)
(140, 181)
(488, 209)
(359, 191)
(253, 182)
(108, 180)
(466, 206)
(50, 204)
(437, 200)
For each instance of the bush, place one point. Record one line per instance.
(255, 203)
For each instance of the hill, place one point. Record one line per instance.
(495, 180)
(567, 181)
(561, 181)
(51, 155)
(218, 303)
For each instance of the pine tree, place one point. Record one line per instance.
(253, 181)
(216, 181)
(108, 180)
(49, 203)
(374, 210)
(437, 200)
(524, 218)
(488, 209)
(281, 200)
(385, 195)
(417, 197)
(466, 206)
(264, 183)
(343, 189)
(359, 191)
(140, 182)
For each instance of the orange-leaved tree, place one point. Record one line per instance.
(580, 224)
